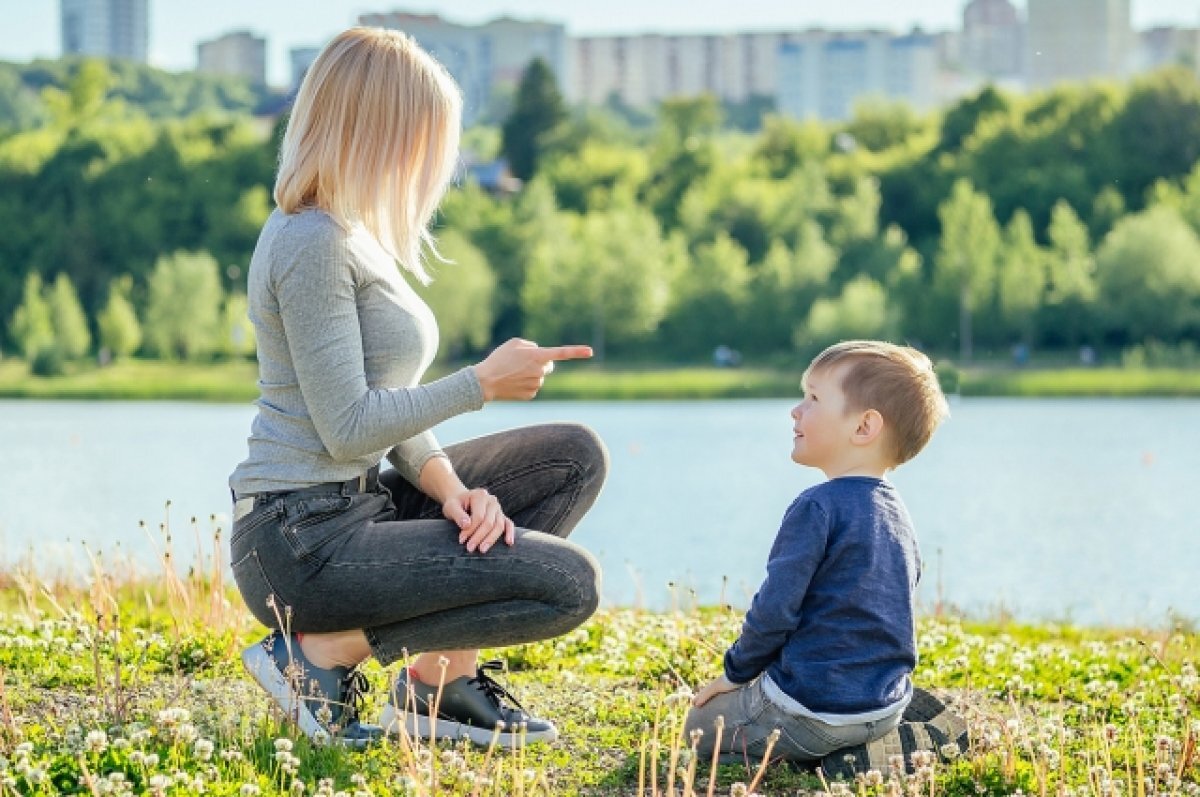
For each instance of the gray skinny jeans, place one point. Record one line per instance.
(388, 562)
(750, 717)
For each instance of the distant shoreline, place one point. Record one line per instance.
(235, 382)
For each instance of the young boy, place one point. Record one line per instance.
(828, 644)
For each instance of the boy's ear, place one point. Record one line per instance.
(870, 427)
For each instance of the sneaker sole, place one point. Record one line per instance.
(261, 666)
(421, 727)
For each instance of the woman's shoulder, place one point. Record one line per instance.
(309, 236)
(307, 227)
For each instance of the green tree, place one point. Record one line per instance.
(1071, 269)
(183, 306)
(966, 259)
(31, 326)
(604, 277)
(236, 334)
(71, 335)
(538, 110)
(708, 299)
(82, 98)
(1070, 277)
(861, 311)
(879, 124)
(120, 332)
(785, 144)
(783, 287)
(1158, 131)
(1022, 276)
(1148, 274)
(462, 296)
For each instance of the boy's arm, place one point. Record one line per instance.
(775, 611)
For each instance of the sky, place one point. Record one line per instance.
(30, 28)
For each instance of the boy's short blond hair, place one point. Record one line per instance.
(898, 382)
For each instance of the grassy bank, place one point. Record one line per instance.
(135, 688)
(236, 382)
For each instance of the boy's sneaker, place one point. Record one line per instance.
(324, 703)
(469, 708)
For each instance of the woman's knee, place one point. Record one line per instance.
(577, 593)
(581, 444)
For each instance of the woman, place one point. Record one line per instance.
(345, 562)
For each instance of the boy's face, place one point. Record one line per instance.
(823, 427)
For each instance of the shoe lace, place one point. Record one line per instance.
(354, 695)
(494, 691)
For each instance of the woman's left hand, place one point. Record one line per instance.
(480, 519)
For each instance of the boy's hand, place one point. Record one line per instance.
(711, 689)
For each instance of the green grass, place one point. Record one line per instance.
(237, 382)
(1081, 382)
(136, 688)
(136, 379)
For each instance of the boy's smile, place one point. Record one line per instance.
(822, 426)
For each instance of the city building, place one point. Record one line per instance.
(240, 53)
(823, 74)
(1078, 40)
(1162, 47)
(644, 69)
(486, 60)
(301, 59)
(106, 28)
(993, 40)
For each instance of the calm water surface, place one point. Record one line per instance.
(1048, 509)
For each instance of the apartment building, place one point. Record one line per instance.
(239, 53)
(1078, 40)
(486, 60)
(823, 74)
(106, 28)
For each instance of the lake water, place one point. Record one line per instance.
(1076, 510)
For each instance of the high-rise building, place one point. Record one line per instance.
(822, 75)
(301, 59)
(486, 60)
(240, 53)
(1078, 40)
(106, 28)
(993, 40)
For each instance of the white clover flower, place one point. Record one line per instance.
(97, 741)
(203, 749)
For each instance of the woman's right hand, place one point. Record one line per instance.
(517, 368)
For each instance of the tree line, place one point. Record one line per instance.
(1056, 220)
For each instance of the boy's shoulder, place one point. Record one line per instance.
(847, 499)
(852, 488)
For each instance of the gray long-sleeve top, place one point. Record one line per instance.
(343, 341)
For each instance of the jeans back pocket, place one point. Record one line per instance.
(311, 522)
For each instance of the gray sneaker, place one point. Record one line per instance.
(324, 703)
(469, 708)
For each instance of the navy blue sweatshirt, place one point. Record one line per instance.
(832, 624)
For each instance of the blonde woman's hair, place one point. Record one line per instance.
(373, 140)
(898, 382)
